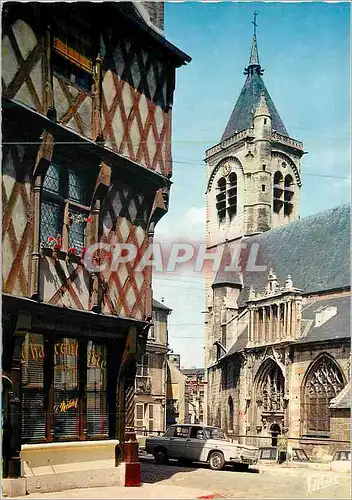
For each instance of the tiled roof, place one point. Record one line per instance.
(336, 327)
(343, 399)
(314, 250)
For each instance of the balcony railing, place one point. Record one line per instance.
(143, 385)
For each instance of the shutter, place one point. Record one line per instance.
(66, 407)
(32, 379)
(151, 418)
(97, 408)
(139, 416)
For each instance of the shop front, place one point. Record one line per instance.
(76, 372)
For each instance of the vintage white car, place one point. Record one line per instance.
(197, 443)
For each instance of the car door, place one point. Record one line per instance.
(195, 444)
(176, 445)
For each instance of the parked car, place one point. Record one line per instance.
(341, 461)
(270, 453)
(197, 443)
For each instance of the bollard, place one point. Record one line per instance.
(132, 464)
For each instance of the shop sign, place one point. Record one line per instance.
(35, 352)
(63, 407)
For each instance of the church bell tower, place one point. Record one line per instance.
(253, 185)
(254, 172)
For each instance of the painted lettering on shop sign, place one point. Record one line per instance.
(63, 406)
(36, 353)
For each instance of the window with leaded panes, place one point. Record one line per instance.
(143, 366)
(64, 199)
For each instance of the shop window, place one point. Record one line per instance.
(66, 396)
(68, 399)
(32, 377)
(64, 202)
(97, 409)
(143, 366)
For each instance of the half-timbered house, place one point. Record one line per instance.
(87, 105)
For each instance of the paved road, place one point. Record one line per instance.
(265, 481)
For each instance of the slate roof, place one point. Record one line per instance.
(343, 399)
(240, 343)
(242, 115)
(159, 305)
(336, 327)
(314, 250)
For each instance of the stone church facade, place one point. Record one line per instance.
(277, 351)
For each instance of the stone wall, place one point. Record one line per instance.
(340, 425)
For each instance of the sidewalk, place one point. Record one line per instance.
(145, 491)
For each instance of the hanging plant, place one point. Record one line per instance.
(72, 251)
(52, 242)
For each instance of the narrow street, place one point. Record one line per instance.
(264, 481)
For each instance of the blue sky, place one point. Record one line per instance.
(305, 51)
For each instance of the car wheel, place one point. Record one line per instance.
(216, 460)
(161, 456)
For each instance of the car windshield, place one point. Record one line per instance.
(215, 433)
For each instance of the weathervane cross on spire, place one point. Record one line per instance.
(254, 22)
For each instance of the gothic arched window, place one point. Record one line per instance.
(231, 414)
(323, 382)
(232, 195)
(288, 195)
(221, 198)
(278, 192)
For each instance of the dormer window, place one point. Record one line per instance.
(72, 53)
(324, 314)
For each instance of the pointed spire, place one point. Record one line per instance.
(254, 59)
(262, 108)
(254, 65)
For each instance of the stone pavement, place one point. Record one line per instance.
(162, 491)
